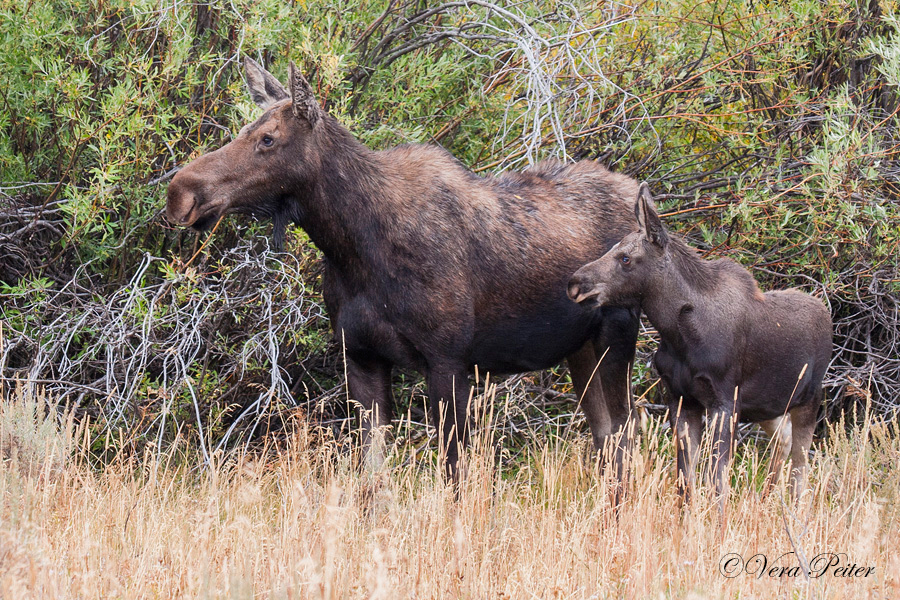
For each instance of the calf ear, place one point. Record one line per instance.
(304, 101)
(264, 88)
(648, 220)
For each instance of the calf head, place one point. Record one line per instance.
(621, 276)
(270, 161)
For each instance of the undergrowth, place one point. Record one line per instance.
(768, 131)
(296, 519)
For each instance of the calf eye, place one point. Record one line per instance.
(267, 141)
(625, 259)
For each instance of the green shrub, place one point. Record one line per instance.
(769, 133)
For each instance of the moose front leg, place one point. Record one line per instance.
(722, 419)
(601, 376)
(448, 395)
(722, 402)
(686, 420)
(582, 365)
(614, 349)
(369, 380)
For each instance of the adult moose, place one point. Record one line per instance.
(725, 348)
(427, 265)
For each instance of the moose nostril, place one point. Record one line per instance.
(574, 288)
(176, 211)
(180, 205)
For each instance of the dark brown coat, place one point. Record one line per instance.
(725, 348)
(427, 265)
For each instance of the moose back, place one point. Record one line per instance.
(726, 349)
(427, 265)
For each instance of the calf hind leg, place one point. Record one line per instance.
(779, 431)
(803, 420)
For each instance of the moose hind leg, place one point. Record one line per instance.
(779, 431)
(448, 395)
(803, 420)
(369, 381)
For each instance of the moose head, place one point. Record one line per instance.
(262, 170)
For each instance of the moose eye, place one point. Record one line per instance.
(267, 141)
(626, 260)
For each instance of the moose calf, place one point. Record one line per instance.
(725, 348)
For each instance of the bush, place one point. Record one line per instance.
(770, 135)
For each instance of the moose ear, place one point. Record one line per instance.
(648, 221)
(264, 88)
(304, 101)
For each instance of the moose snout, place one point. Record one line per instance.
(180, 213)
(181, 203)
(580, 290)
(574, 288)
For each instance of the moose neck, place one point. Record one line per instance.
(337, 209)
(682, 282)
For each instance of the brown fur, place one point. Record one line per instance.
(428, 265)
(725, 348)
(708, 275)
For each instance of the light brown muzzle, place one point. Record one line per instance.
(181, 203)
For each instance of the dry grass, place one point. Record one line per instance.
(302, 523)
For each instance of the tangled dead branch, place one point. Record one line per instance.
(720, 125)
(211, 339)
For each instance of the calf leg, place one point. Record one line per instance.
(686, 420)
(722, 420)
(803, 420)
(779, 430)
(448, 395)
(369, 380)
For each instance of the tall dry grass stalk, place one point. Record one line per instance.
(300, 522)
(34, 437)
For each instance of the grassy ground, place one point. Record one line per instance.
(299, 522)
